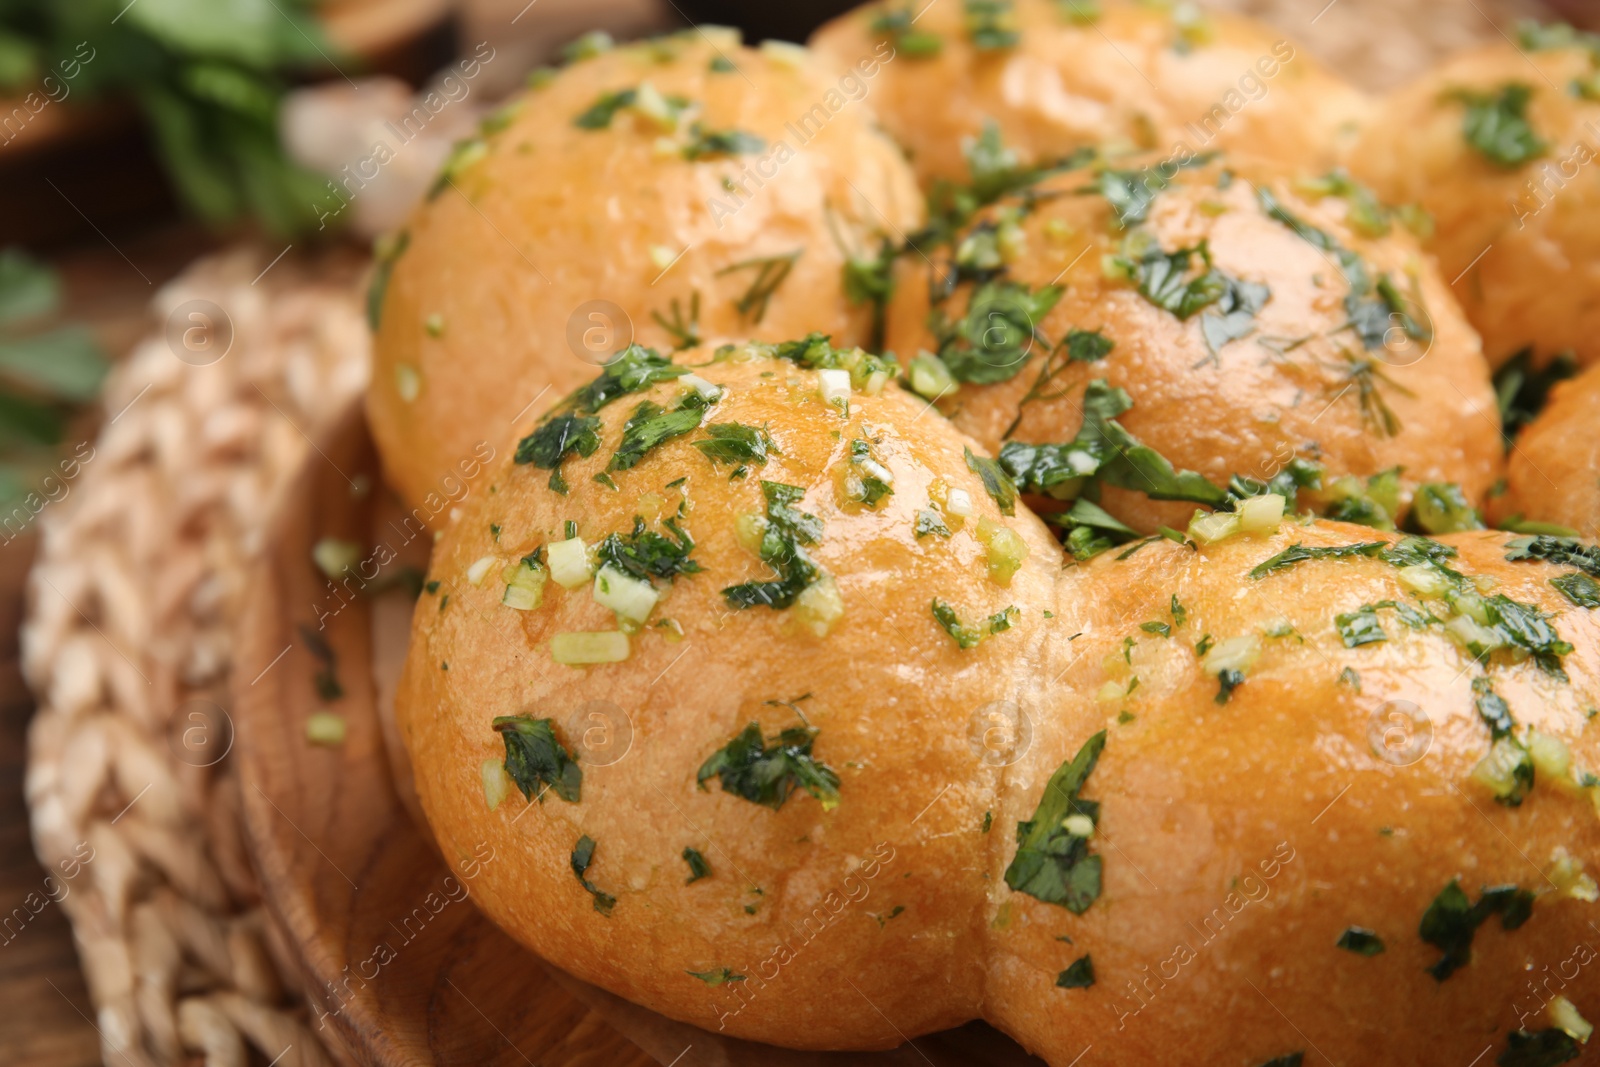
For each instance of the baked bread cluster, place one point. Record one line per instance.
(1037, 576)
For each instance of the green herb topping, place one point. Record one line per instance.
(1080, 975)
(582, 857)
(651, 425)
(720, 976)
(869, 480)
(1298, 553)
(1497, 124)
(1451, 921)
(1053, 864)
(770, 273)
(713, 144)
(787, 530)
(929, 521)
(644, 554)
(990, 25)
(995, 480)
(966, 638)
(767, 774)
(898, 27)
(1103, 450)
(536, 760)
(1542, 1048)
(737, 443)
(555, 440)
(1442, 507)
(1361, 941)
(996, 336)
(698, 867)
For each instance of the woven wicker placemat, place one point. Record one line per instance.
(127, 645)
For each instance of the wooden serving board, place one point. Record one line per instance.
(400, 967)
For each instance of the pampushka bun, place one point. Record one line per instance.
(665, 192)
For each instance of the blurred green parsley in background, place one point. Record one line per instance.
(45, 372)
(208, 76)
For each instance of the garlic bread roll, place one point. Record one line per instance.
(745, 664)
(1256, 324)
(1553, 473)
(1500, 145)
(1055, 75)
(1323, 827)
(664, 192)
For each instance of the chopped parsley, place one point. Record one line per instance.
(326, 680)
(644, 554)
(1360, 627)
(1234, 315)
(1542, 1048)
(582, 857)
(1131, 193)
(995, 480)
(770, 273)
(995, 338)
(1180, 614)
(967, 638)
(1107, 452)
(767, 774)
(684, 327)
(632, 370)
(871, 281)
(787, 530)
(1451, 921)
(698, 867)
(1299, 553)
(1160, 628)
(736, 443)
(869, 480)
(898, 28)
(1162, 278)
(1293, 1059)
(651, 425)
(598, 115)
(555, 440)
(1079, 346)
(386, 253)
(1052, 864)
(929, 521)
(1228, 679)
(1522, 389)
(1361, 941)
(1442, 507)
(712, 144)
(814, 352)
(535, 760)
(1497, 124)
(1579, 588)
(990, 25)
(1079, 975)
(1091, 530)
(1559, 550)
(720, 976)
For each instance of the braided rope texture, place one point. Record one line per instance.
(127, 644)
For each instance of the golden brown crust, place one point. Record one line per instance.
(1133, 76)
(1553, 473)
(892, 696)
(537, 261)
(1300, 385)
(1240, 840)
(1520, 241)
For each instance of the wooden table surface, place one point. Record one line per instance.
(46, 1018)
